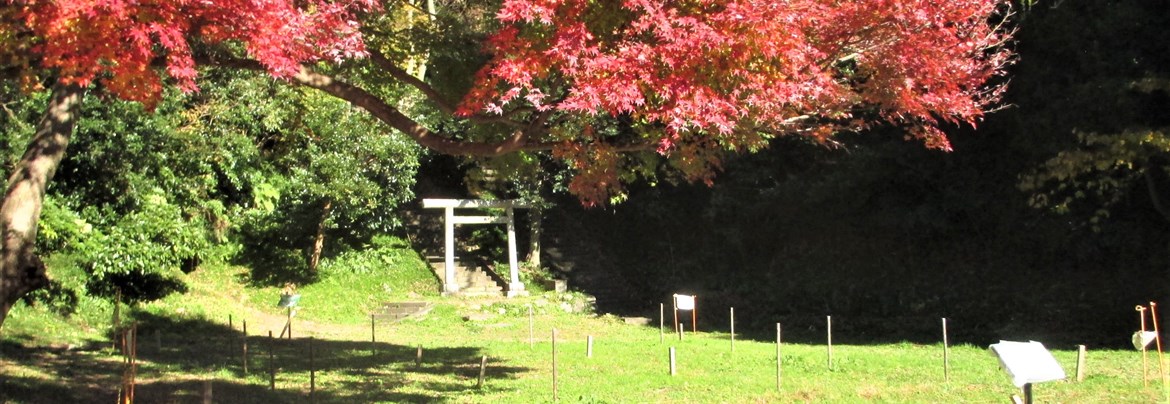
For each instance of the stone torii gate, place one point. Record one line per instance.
(515, 287)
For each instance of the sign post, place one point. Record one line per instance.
(1027, 363)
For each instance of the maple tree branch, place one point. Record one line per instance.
(521, 140)
(402, 75)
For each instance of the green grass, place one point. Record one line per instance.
(185, 341)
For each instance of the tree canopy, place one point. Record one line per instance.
(606, 86)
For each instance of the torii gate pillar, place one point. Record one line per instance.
(450, 286)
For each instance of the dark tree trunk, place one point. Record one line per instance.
(21, 270)
(319, 239)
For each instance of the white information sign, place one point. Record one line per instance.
(684, 302)
(1027, 362)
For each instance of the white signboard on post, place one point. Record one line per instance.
(1027, 362)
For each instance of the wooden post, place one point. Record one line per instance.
(1158, 342)
(312, 372)
(1080, 363)
(554, 363)
(946, 352)
(589, 347)
(695, 315)
(373, 337)
(732, 330)
(207, 393)
(482, 371)
(418, 357)
(531, 337)
(778, 357)
(673, 369)
(289, 314)
(829, 339)
(271, 362)
(245, 324)
(1027, 393)
(133, 360)
(231, 326)
(674, 302)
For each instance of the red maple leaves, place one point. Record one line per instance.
(121, 42)
(729, 74)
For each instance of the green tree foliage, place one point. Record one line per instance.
(1115, 75)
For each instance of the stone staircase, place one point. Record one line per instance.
(473, 280)
(572, 250)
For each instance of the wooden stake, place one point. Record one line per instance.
(1027, 393)
(418, 357)
(673, 368)
(1161, 358)
(245, 346)
(312, 372)
(1080, 363)
(674, 302)
(829, 339)
(231, 326)
(778, 357)
(1157, 339)
(946, 352)
(289, 314)
(207, 394)
(482, 371)
(531, 337)
(589, 347)
(695, 315)
(554, 363)
(373, 337)
(271, 362)
(732, 330)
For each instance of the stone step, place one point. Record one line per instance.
(394, 311)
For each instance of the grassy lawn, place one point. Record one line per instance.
(186, 341)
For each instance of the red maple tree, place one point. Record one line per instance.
(705, 76)
(692, 79)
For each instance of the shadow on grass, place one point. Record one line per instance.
(176, 357)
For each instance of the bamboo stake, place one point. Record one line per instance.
(673, 366)
(946, 352)
(778, 357)
(829, 339)
(1145, 366)
(732, 330)
(554, 363)
(661, 318)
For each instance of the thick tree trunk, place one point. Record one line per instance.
(21, 270)
(534, 230)
(319, 240)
